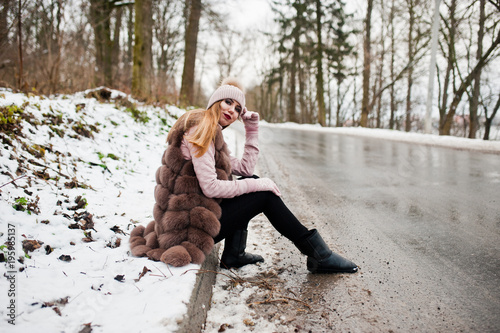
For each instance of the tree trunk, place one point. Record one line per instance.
(302, 103)
(365, 104)
(292, 106)
(115, 54)
(489, 120)
(338, 122)
(100, 14)
(280, 92)
(329, 94)
(410, 70)
(191, 42)
(20, 82)
(4, 38)
(55, 63)
(142, 68)
(380, 76)
(477, 78)
(372, 121)
(432, 68)
(393, 76)
(129, 55)
(319, 71)
(450, 61)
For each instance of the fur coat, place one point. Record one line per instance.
(185, 220)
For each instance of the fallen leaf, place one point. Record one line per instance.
(88, 237)
(120, 278)
(116, 229)
(56, 309)
(80, 203)
(114, 244)
(248, 322)
(30, 245)
(144, 271)
(87, 328)
(55, 304)
(88, 222)
(65, 257)
(223, 327)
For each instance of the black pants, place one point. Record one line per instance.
(238, 211)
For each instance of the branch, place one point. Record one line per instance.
(119, 3)
(495, 109)
(398, 77)
(465, 83)
(497, 4)
(13, 180)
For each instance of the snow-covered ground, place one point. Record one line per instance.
(86, 171)
(82, 274)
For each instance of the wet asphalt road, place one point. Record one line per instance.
(422, 222)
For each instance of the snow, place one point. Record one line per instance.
(229, 309)
(84, 290)
(420, 138)
(102, 286)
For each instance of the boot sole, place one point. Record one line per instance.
(314, 266)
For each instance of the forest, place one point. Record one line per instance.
(429, 66)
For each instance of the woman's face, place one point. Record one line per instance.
(229, 111)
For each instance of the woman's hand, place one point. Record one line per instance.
(250, 118)
(263, 184)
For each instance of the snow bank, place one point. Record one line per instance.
(89, 174)
(427, 139)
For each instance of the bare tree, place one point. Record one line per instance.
(411, 12)
(477, 77)
(365, 104)
(5, 27)
(229, 58)
(457, 97)
(20, 82)
(489, 119)
(450, 43)
(49, 47)
(392, 28)
(167, 18)
(320, 93)
(100, 16)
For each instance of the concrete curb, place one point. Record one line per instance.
(201, 296)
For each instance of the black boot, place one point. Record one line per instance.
(234, 254)
(320, 259)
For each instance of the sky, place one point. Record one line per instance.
(249, 18)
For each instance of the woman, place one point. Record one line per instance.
(199, 204)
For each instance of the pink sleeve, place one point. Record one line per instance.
(246, 166)
(204, 167)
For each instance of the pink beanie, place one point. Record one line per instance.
(227, 90)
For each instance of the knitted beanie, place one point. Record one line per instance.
(228, 89)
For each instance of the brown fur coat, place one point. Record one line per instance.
(185, 220)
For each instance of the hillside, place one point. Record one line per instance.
(77, 173)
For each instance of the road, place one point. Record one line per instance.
(422, 222)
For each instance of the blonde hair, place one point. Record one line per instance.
(206, 122)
